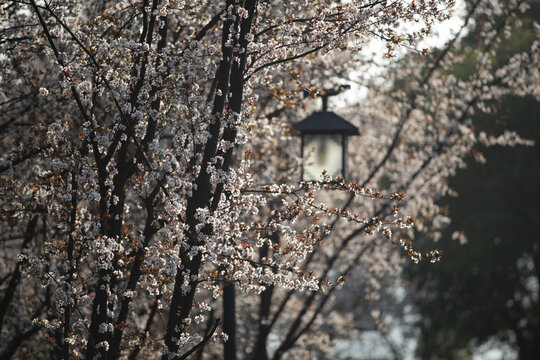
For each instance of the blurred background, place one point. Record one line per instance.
(482, 300)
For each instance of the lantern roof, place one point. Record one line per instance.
(326, 122)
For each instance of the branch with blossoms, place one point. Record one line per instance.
(433, 255)
(123, 127)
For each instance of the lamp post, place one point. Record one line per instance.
(324, 141)
(229, 321)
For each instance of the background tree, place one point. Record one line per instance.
(488, 288)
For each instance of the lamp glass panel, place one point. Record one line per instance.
(322, 152)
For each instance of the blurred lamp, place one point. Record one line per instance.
(324, 143)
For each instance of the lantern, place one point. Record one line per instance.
(324, 143)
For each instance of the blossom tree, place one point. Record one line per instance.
(416, 142)
(146, 161)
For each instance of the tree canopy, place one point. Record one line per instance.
(148, 164)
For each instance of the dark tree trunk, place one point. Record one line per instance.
(229, 75)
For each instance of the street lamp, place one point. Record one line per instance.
(324, 142)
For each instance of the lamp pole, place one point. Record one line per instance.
(229, 321)
(325, 94)
(324, 98)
